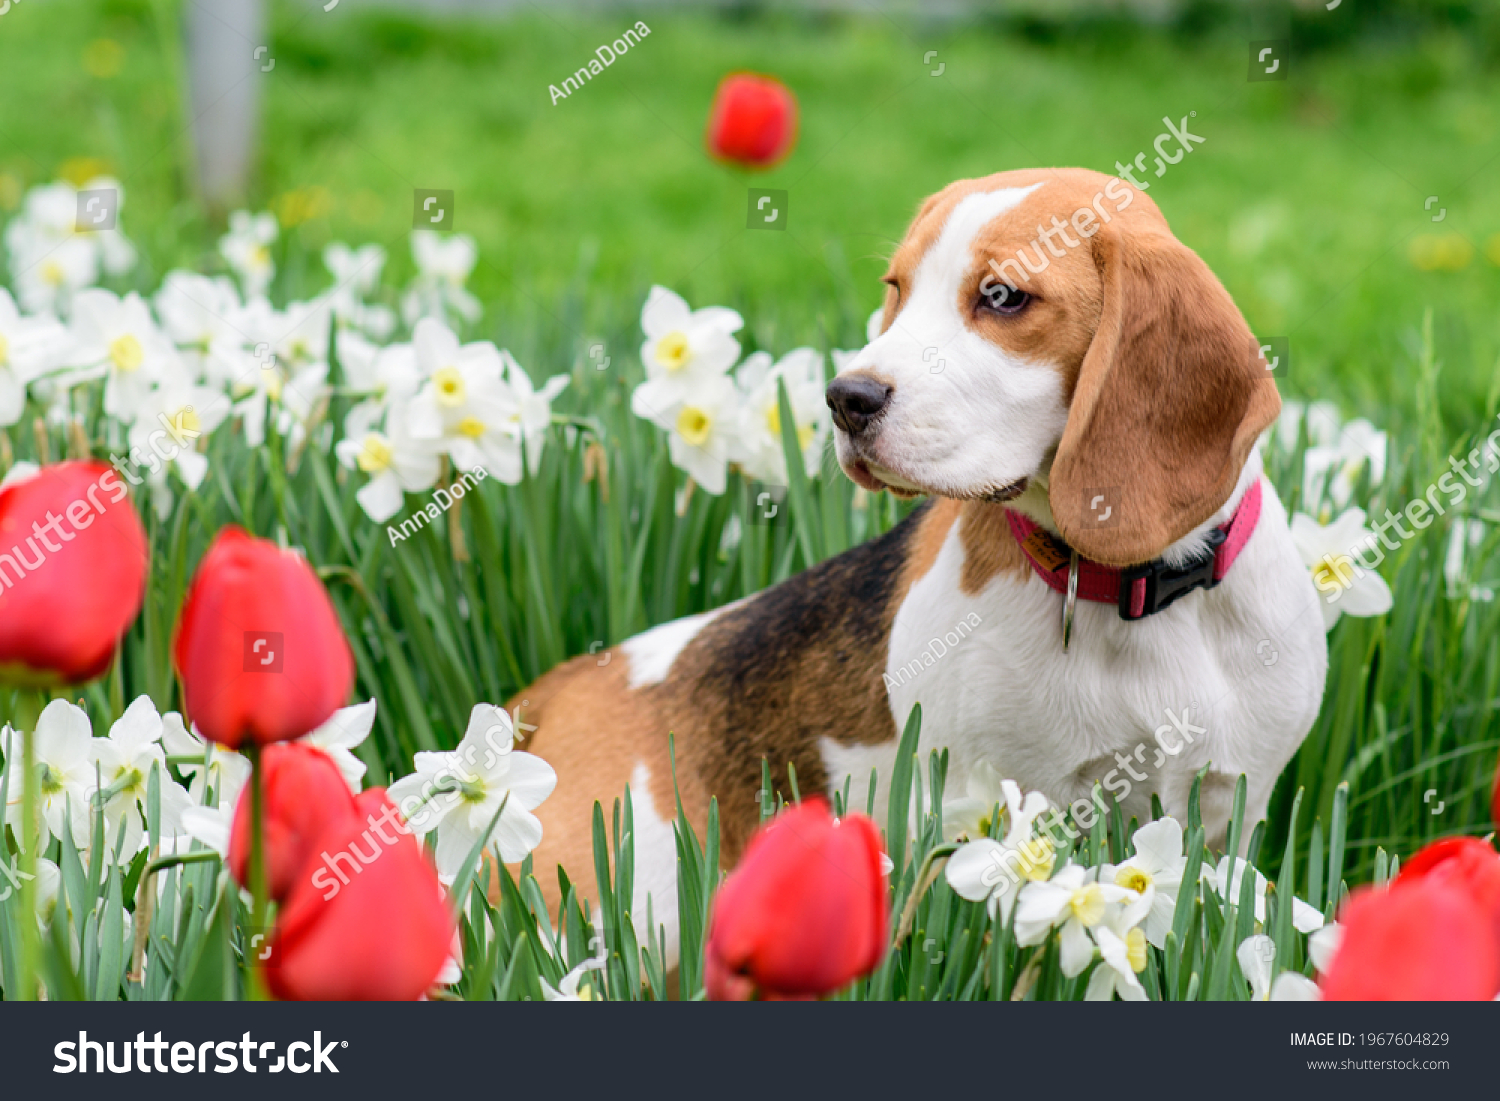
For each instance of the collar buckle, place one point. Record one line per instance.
(1163, 584)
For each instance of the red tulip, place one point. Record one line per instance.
(259, 647)
(753, 122)
(1422, 939)
(304, 795)
(73, 561)
(366, 921)
(805, 911)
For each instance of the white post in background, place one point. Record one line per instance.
(228, 55)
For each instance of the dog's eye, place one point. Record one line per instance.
(1002, 298)
(894, 283)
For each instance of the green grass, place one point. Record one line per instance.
(1305, 199)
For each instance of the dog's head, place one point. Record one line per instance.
(1044, 328)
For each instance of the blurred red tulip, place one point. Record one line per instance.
(259, 647)
(73, 561)
(804, 913)
(753, 122)
(1422, 939)
(369, 923)
(304, 795)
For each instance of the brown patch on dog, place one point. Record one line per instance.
(595, 730)
(990, 548)
(932, 532)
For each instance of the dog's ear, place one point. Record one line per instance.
(1170, 399)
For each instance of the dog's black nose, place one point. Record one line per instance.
(856, 400)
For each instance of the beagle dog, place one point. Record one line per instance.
(1100, 588)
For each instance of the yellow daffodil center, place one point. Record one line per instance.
(672, 351)
(186, 421)
(52, 783)
(693, 425)
(450, 386)
(1135, 949)
(1133, 878)
(271, 380)
(260, 256)
(472, 427)
(1332, 574)
(1037, 857)
(375, 454)
(1087, 904)
(4, 350)
(52, 273)
(126, 351)
(773, 422)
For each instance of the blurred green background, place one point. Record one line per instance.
(1309, 197)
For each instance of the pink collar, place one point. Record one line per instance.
(1142, 590)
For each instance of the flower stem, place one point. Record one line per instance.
(258, 901)
(28, 707)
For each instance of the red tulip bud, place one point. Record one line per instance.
(366, 919)
(304, 795)
(259, 647)
(73, 561)
(804, 913)
(1422, 939)
(753, 122)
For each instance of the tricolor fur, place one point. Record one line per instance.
(1129, 369)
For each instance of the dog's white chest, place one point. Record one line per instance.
(1230, 678)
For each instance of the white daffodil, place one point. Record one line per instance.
(209, 826)
(299, 334)
(48, 274)
(1335, 468)
(224, 769)
(1122, 957)
(567, 987)
(356, 270)
(993, 870)
(345, 731)
(1321, 419)
(1304, 918)
(48, 883)
(533, 412)
(388, 375)
(170, 421)
(443, 266)
(1323, 945)
(684, 346)
(466, 406)
(29, 347)
(53, 255)
(247, 249)
(970, 816)
(125, 760)
(356, 276)
(1257, 956)
(700, 426)
(396, 463)
(200, 315)
(118, 339)
(1330, 553)
(759, 430)
(874, 325)
(1155, 873)
(458, 793)
(60, 744)
(1072, 903)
